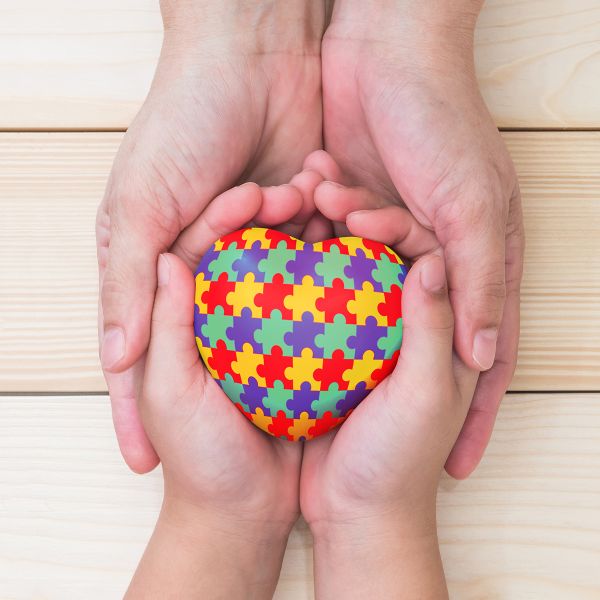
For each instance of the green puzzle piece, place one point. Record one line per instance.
(276, 399)
(272, 333)
(277, 262)
(336, 337)
(387, 273)
(215, 328)
(224, 264)
(327, 401)
(233, 390)
(392, 341)
(333, 267)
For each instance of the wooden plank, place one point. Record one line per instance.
(74, 520)
(50, 185)
(87, 65)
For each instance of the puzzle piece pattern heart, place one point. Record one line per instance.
(297, 334)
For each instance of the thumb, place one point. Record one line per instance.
(475, 259)
(173, 363)
(127, 286)
(428, 326)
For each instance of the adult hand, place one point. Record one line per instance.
(231, 492)
(236, 81)
(403, 116)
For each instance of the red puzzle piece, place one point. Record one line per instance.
(325, 423)
(391, 307)
(221, 360)
(216, 295)
(235, 238)
(274, 368)
(280, 426)
(275, 237)
(273, 297)
(333, 370)
(377, 248)
(336, 302)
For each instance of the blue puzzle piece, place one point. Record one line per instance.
(242, 331)
(367, 338)
(302, 401)
(305, 263)
(352, 398)
(253, 396)
(360, 270)
(248, 262)
(303, 335)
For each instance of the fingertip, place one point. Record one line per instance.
(279, 204)
(322, 162)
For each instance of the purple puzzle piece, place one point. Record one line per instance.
(302, 401)
(253, 395)
(199, 320)
(367, 338)
(243, 330)
(247, 264)
(305, 264)
(361, 269)
(352, 398)
(303, 335)
(210, 255)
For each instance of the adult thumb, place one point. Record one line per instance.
(474, 250)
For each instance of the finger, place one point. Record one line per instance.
(317, 229)
(173, 363)
(134, 444)
(229, 211)
(322, 162)
(280, 204)
(428, 326)
(474, 247)
(492, 385)
(395, 227)
(337, 201)
(305, 182)
(128, 283)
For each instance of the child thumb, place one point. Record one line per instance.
(427, 320)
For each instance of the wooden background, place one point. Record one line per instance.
(74, 520)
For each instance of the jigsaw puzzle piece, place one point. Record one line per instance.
(352, 399)
(253, 396)
(302, 400)
(328, 400)
(333, 266)
(304, 334)
(304, 298)
(280, 426)
(367, 338)
(391, 342)
(390, 309)
(276, 263)
(324, 424)
(277, 237)
(388, 273)
(202, 286)
(275, 368)
(246, 364)
(362, 371)
(305, 263)
(219, 361)
(303, 370)
(254, 235)
(367, 300)
(335, 336)
(200, 320)
(273, 297)
(361, 270)
(302, 424)
(233, 390)
(215, 328)
(243, 295)
(277, 398)
(217, 295)
(224, 263)
(335, 302)
(261, 420)
(333, 370)
(248, 262)
(273, 333)
(241, 330)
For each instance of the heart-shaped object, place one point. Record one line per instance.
(297, 334)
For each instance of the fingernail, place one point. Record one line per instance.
(484, 348)
(433, 275)
(164, 270)
(113, 347)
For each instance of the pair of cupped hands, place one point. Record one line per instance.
(413, 160)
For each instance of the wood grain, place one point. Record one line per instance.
(88, 65)
(74, 520)
(50, 185)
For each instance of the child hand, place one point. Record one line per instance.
(368, 489)
(230, 491)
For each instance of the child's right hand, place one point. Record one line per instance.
(368, 489)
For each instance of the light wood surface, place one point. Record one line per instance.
(50, 185)
(88, 65)
(74, 520)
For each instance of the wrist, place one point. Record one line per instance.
(254, 27)
(379, 557)
(422, 31)
(195, 553)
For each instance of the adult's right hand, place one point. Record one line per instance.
(236, 96)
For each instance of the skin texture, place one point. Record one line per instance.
(230, 491)
(403, 116)
(236, 97)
